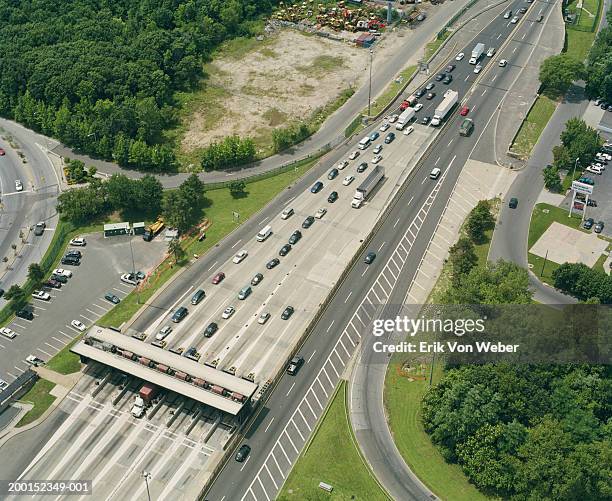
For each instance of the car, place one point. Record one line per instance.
(599, 226)
(62, 271)
(450, 68)
(523, 10)
(25, 314)
(74, 253)
(591, 203)
(588, 223)
(598, 101)
(354, 155)
(109, 296)
(244, 293)
(295, 237)
(507, 14)
(587, 180)
(377, 149)
(389, 137)
(294, 365)
(594, 169)
(42, 295)
(242, 453)
(603, 106)
(362, 167)
(514, 20)
(333, 174)
(218, 278)
(502, 63)
(447, 80)
(435, 173)
(513, 203)
(78, 325)
(540, 18)
(464, 111)
(35, 361)
(51, 283)
(317, 187)
(211, 328)
(604, 156)
(140, 275)
(228, 312)
(240, 256)
(376, 159)
(342, 165)
(418, 107)
(425, 120)
(129, 278)
(419, 93)
(393, 118)
(163, 332)
(78, 242)
(385, 126)
(70, 260)
(408, 130)
(18, 185)
(263, 318)
(430, 96)
(288, 212)
(39, 229)
(287, 312)
(374, 136)
(430, 86)
(179, 314)
(320, 213)
(478, 68)
(307, 223)
(440, 77)
(2, 152)
(59, 278)
(348, 180)
(273, 263)
(491, 52)
(333, 196)
(369, 258)
(198, 296)
(284, 250)
(3, 384)
(9, 333)
(459, 56)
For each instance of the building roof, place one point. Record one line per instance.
(138, 225)
(116, 226)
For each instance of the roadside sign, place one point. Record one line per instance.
(584, 188)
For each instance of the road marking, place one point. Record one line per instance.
(310, 358)
(381, 246)
(236, 243)
(484, 92)
(423, 182)
(466, 78)
(514, 50)
(86, 318)
(449, 143)
(499, 36)
(12, 375)
(64, 334)
(278, 466)
(290, 389)
(59, 340)
(347, 297)
(264, 220)
(411, 199)
(43, 351)
(101, 307)
(327, 376)
(310, 407)
(524, 35)
(493, 79)
(38, 307)
(297, 429)
(245, 463)
(291, 442)
(271, 477)
(437, 160)
(304, 419)
(120, 290)
(365, 271)
(92, 312)
(212, 266)
(283, 451)
(20, 370)
(269, 424)
(330, 325)
(396, 223)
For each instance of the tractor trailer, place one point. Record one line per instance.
(443, 109)
(404, 118)
(477, 52)
(143, 399)
(365, 189)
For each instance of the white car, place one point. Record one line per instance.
(342, 165)
(240, 256)
(129, 278)
(42, 295)
(502, 63)
(478, 68)
(163, 333)
(35, 361)
(9, 333)
(418, 107)
(384, 127)
(287, 213)
(490, 52)
(78, 242)
(78, 325)
(594, 169)
(348, 180)
(3, 385)
(604, 156)
(393, 118)
(409, 130)
(228, 312)
(263, 318)
(321, 212)
(460, 56)
(435, 173)
(63, 272)
(514, 20)
(377, 149)
(376, 159)
(18, 185)
(354, 155)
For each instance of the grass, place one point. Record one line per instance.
(64, 361)
(40, 396)
(402, 398)
(579, 43)
(390, 91)
(332, 457)
(533, 125)
(435, 44)
(566, 183)
(220, 205)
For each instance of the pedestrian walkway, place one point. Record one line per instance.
(65, 380)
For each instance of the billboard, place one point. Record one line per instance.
(584, 188)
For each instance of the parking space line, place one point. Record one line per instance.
(278, 466)
(271, 477)
(101, 307)
(291, 442)
(311, 409)
(344, 348)
(87, 318)
(419, 285)
(20, 370)
(12, 375)
(350, 339)
(92, 312)
(54, 347)
(120, 290)
(212, 266)
(323, 388)
(327, 375)
(64, 334)
(298, 430)
(304, 419)
(2, 346)
(59, 340)
(315, 395)
(43, 351)
(283, 451)
(39, 307)
(426, 275)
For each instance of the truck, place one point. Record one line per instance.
(143, 399)
(466, 127)
(477, 52)
(403, 120)
(368, 185)
(408, 102)
(153, 229)
(442, 110)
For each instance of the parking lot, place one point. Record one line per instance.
(81, 298)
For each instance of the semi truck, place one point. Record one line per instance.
(408, 102)
(143, 399)
(442, 110)
(365, 189)
(403, 120)
(153, 229)
(477, 52)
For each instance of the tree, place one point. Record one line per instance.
(581, 141)
(552, 180)
(35, 273)
(479, 220)
(120, 191)
(558, 72)
(237, 188)
(462, 258)
(175, 249)
(17, 297)
(177, 211)
(84, 204)
(148, 194)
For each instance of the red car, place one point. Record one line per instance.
(218, 278)
(2, 152)
(464, 111)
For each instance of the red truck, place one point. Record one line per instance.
(408, 102)
(147, 392)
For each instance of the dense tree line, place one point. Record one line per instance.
(599, 64)
(229, 152)
(101, 75)
(558, 72)
(583, 282)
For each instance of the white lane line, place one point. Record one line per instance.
(310, 358)
(484, 92)
(411, 199)
(449, 143)
(291, 442)
(524, 35)
(437, 160)
(381, 246)
(277, 466)
(514, 50)
(493, 79)
(330, 325)
(290, 389)
(87, 318)
(236, 243)
(466, 78)
(212, 266)
(92, 312)
(365, 271)
(424, 181)
(21, 371)
(245, 463)
(499, 36)
(347, 297)
(264, 220)
(271, 477)
(298, 430)
(396, 223)
(273, 417)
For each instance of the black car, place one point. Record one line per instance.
(440, 77)
(272, 263)
(27, 314)
(333, 196)
(450, 68)
(39, 229)
(419, 93)
(591, 203)
(362, 167)
(54, 284)
(603, 106)
(332, 174)
(109, 296)
(430, 96)
(256, 279)
(425, 120)
(317, 187)
(390, 137)
(513, 204)
(198, 296)
(295, 237)
(308, 222)
(294, 365)
(211, 329)
(243, 453)
(71, 260)
(60, 278)
(74, 253)
(284, 250)
(588, 223)
(179, 314)
(288, 311)
(447, 80)
(370, 257)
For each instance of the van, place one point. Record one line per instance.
(245, 292)
(198, 296)
(435, 173)
(364, 143)
(264, 233)
(287, 213)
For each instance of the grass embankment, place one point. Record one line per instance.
(390, 92)
(40, 396)
(332, 457)
(533, 125)
(435, 44)
(64, 361)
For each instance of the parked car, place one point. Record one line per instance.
(588, 223)
(317, 187)
(42, 295)
(109, 296)
(18, 185)
(62, 271)
(35, 361)
(53, 284)
(447, 80)
(362, 167)
(59, 278)
(295, 237)
(284, 250)
(25, 314)
(78, 242)
(78, 325)
(333, 196)
(9, 333)
(129, 278)
(332, 174)
(599, 226)
(348, 180)
(389, 137)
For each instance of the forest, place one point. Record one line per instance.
(100, 75)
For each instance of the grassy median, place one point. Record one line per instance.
(40, 396)
(533, 125)
(391, 91)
